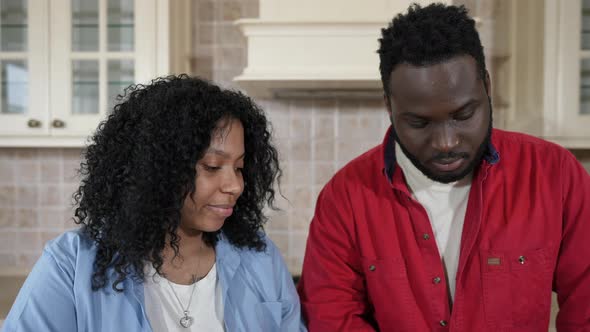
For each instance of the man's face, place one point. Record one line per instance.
(441, 116)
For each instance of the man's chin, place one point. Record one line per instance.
(447, 177)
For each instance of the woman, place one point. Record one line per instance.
(174, 184)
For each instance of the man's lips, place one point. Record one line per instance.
(448, 165)
(223, 210)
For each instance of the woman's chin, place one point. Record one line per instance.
(211, 226)
(212, 229)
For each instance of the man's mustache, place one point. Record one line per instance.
(450, 155)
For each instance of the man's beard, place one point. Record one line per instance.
(448, 178)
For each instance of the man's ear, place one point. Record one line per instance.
(388, 106)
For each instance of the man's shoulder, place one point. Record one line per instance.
(368, 164)
(362, 173)
(514, 145)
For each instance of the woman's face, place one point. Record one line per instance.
(218, 182)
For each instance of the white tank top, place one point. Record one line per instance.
(164, 312)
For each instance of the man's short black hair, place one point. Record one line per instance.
(428, 35)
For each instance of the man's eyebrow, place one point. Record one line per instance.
(470, 102)
(412, 115)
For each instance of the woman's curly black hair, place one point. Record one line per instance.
(141, 163)
(428, 35)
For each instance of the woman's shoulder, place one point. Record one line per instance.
(264, 272)
(70, 246)
(266, 263)
(269, 251)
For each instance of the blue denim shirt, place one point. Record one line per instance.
(258, 292)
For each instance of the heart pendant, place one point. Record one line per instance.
(186, 321)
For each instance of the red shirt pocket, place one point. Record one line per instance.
(390, 294)
(516, 286)
(531, 277)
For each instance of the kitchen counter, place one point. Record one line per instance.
(11, 280)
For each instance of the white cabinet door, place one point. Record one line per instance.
(98, 48)
(63, 63)
(23, 67)
(567, 76)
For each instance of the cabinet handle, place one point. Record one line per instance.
(58, 123)
(32, 123)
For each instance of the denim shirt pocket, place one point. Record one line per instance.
(269, 315)
(516, 286)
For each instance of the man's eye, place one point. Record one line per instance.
(417, 123)
(464, 116)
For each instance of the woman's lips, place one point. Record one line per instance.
(222, 210)
(448, 165)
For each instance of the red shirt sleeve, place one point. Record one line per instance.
(572, 273)
(332, 291)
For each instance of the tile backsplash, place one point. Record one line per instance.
(315, 138)
(36, 187)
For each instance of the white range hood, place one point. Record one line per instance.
(300, 48)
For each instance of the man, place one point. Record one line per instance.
(448, 224)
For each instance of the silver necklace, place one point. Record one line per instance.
(186, 320)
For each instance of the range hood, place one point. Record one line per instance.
(314, 48)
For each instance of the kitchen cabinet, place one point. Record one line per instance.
(567, 71)
(310, 48)
(63, 62)
(543, 77)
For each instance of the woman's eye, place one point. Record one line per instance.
(211, 168)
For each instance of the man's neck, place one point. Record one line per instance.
(418, 181)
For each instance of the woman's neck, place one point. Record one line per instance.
(194, 259)
(190, 242)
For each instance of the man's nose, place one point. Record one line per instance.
(445, 138)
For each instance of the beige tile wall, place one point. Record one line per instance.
(315, 138)
(35, 200)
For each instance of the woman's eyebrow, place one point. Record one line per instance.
(223, 153)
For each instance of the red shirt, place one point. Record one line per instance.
(372, 262)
